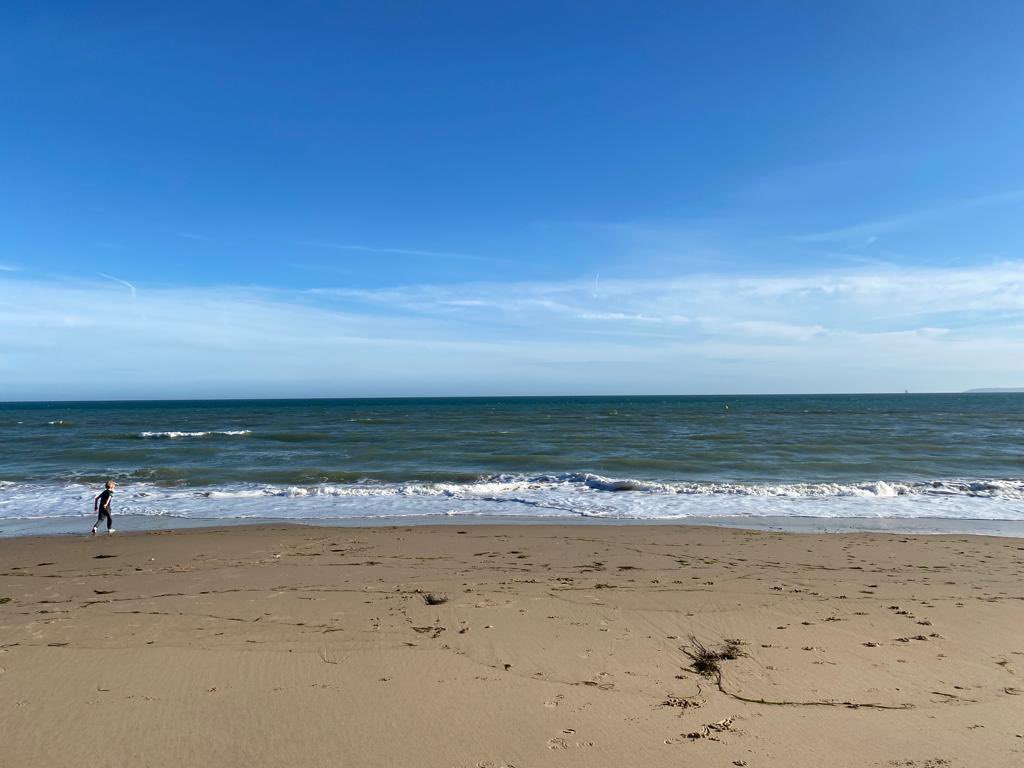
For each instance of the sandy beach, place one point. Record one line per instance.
(544, 646)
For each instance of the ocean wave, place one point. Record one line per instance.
(504, 486)
(589, 484)
(578, 494)
(885, 489)
(173, 434)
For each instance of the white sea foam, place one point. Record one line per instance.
(548, 496)
(174, 434)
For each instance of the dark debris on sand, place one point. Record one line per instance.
(706, 660)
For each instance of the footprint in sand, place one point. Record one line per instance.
(560, 742)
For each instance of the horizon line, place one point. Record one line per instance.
(975, 391)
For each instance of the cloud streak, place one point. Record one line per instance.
(399, 251)
(125, 283)
(870, 329)
(850, 299)
(867, 233)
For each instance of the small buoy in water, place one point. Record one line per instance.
(727, 407)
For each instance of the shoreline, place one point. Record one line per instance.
(542, 645)
(75, 525)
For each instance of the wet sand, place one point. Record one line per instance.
(545, 646)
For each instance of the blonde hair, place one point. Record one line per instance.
(111, 483)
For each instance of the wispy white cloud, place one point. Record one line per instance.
(841, 298)
(616, 317)
(865, 329)
(867, 233)
(772, 329)
(398, 251)
(125, 283)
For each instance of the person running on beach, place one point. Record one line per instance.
(101, 505)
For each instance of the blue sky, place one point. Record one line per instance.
(306, 198)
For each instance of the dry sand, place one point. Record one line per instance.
(557, 646)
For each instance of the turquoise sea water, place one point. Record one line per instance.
(656, 458)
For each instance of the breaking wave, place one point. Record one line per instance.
(570, 495)
(506, 484)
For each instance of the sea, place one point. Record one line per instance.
(902, 462)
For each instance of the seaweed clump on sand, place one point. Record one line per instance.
(706, 661)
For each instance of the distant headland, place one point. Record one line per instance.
(996, 389)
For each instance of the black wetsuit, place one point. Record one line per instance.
(102, 506)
